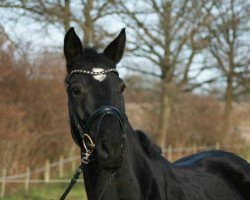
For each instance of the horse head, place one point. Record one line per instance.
(96, 103)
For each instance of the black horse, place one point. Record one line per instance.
(124, 164)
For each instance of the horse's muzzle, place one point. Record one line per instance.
(111, 153)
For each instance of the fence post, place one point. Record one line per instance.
(4, 173)
(194, 148)
(170, 153)
(47, 171)
(27, 179)
(71, 154)
(61, 162)
(217, 146)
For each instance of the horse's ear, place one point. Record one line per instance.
(72, 45)
(115, 49)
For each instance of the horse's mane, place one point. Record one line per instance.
(148, 146)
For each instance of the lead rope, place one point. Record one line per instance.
(85, 161)
(72, 182)
(75, 178)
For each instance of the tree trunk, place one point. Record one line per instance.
(165, 114)
(88, 29)
(228, 105)
(66, 16)
(167, 71)
(230, 75)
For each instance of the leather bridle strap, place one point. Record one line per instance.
(103, 111)
(84, 130)
(98, 115)
(74, 118)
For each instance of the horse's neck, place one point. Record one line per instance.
(152, 174)
(147, 176)
(136, 179)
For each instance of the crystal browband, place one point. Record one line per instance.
(82, 71)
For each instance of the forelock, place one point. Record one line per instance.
(90, 54)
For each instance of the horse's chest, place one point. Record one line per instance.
(124, 188)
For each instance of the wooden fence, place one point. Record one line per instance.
(25, 178)
(172, 153)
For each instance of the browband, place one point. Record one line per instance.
(82, 71)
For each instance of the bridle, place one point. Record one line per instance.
(81, 136)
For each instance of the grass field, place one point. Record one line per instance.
(48, 192)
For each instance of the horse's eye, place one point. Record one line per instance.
(123, 86)
(76, 90)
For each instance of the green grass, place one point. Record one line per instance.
(48, 192)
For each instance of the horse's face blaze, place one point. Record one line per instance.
(90, 92)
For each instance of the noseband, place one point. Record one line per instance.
(82, 138)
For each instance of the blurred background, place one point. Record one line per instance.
(186, 68)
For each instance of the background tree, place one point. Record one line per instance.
(229, 46)
(86, 14)
(169, 34)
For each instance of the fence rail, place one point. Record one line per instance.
(43, 169)
(43, 181)
(25, 178)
